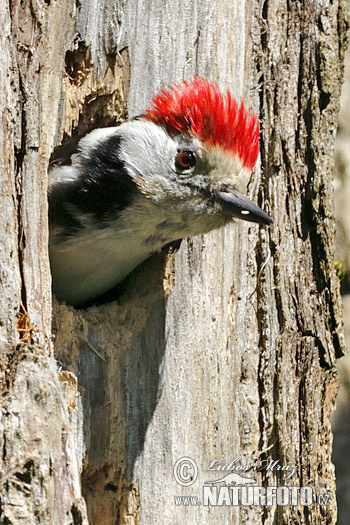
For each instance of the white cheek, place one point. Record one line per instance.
(243, 180)
(227, 169)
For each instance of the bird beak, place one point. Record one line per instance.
(238, 205)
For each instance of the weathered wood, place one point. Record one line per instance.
(225, 349)
(9, 141)
(40, 428)
(341, 418)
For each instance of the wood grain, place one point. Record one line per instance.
(224, 349)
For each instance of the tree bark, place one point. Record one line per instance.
(341, 418)
(223, 350)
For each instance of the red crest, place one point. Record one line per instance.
(198, 107)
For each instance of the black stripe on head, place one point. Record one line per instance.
(101, 191)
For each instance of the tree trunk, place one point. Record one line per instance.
(341, 418)
(223, 351)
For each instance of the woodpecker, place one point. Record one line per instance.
(174, 172)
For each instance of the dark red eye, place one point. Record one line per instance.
(185, 160)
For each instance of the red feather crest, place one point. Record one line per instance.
(199, 107)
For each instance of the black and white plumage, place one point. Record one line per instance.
(134, 188)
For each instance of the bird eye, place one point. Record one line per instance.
(185, 160)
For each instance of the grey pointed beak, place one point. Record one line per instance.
(238, 205)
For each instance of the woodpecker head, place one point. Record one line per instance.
(194, 150)
(171, 173)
